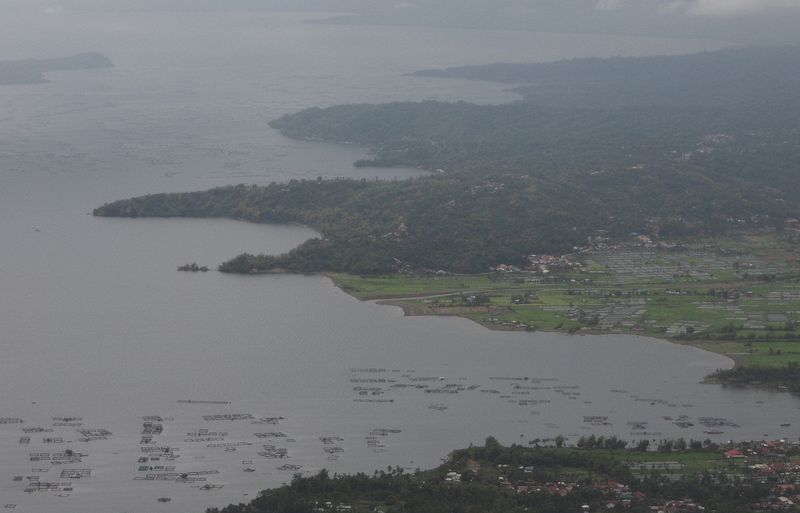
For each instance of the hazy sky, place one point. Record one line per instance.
(769, 21)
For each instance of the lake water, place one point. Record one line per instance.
(101, 334)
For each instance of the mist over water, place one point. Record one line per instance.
(97, 324)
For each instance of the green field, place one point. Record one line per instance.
(735, 297)
(398, 286)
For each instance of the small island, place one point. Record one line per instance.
(193, 268)
(32, 71)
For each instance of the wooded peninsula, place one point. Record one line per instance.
(706, 148)
(664, 152)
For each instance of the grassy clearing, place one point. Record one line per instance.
(398, 286)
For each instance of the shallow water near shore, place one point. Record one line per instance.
(254, 378)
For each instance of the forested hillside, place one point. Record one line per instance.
(539, 176)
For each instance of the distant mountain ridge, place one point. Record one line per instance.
(32, 71)
(736, 74)
(657, 66)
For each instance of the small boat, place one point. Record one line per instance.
(786, 424)
(250, 469)
(164, 499)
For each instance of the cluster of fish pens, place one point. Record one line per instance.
(200, 450)
(63, 462)
(167, 454)
(161, 462)
(156, 462)
(535, 394)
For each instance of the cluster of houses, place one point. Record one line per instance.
(678, 506)
(647, 241)
(774, 463)
(792, 228)
(616, 496)
(599, 243)
(546, 264)
(328, 506)
(541, 264)
(490, 186)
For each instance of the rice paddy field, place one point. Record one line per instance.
(739, 297)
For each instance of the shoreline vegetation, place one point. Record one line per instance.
(558, 475)
(653, 196)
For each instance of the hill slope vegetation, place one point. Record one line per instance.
(708, 143)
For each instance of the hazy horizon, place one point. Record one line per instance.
(735, 21)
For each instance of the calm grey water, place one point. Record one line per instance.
(98, 327)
